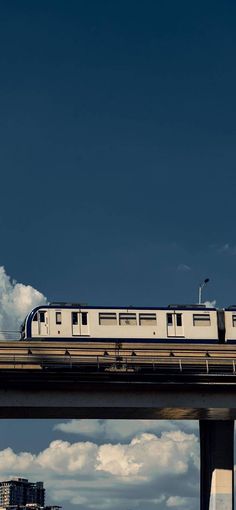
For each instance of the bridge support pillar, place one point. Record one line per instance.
(217, 464)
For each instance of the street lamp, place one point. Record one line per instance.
(203, 284)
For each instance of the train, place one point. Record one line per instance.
(75, 322)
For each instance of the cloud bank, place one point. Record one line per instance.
(16, 300)
(150, 471)
(122, 430)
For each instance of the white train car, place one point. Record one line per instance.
(74, 322)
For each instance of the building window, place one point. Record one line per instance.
(42, 316)
(169, 319)
(107, 319)
(234, 320)
(74, 317)
(178, 319)
(201, 320)
(58, 317)
(127, 319)
(84, 318)
(147, 319)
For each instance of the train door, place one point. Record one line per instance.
(174, 324)
(84, 323)
(43, 322)
(79, 322)
(75, 323)
(35, 325)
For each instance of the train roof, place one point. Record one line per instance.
(59, 304)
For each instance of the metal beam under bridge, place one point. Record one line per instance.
(70, 395)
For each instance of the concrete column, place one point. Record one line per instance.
(217, 464)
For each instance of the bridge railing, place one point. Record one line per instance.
(112, 363)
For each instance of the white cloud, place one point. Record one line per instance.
(63, 457)
(144, 454)
(16, 300)
(10, 461)
(118, 460)
(210, 304)
(177, 501)
(121, 430)
(88, 428)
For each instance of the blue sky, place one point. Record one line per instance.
(117, 138)
(117, 153)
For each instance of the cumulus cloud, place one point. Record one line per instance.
(169, 452)
(148, 453)
(16, 300)
(118, 460)
(11, 461)
(64, 457)
(149, 471)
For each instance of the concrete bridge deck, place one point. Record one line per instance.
(67, 394)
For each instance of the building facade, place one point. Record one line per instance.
(19, 491)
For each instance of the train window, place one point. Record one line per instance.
(58, 317)
(234, 320)
(178, 319)
(74, 317)
(201, 320)
(84, 318)
(42, 316)
(107, 319)
(127, 319)
(35, 317)
(169, 319)
(147, 319)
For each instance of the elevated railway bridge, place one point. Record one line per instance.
(112, 357)
(174, 381)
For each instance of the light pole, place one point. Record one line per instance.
(200, 290)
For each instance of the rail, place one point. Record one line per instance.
(113, 363)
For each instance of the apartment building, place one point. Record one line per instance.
(19, 491)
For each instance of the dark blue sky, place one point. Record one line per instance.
(117, 149)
